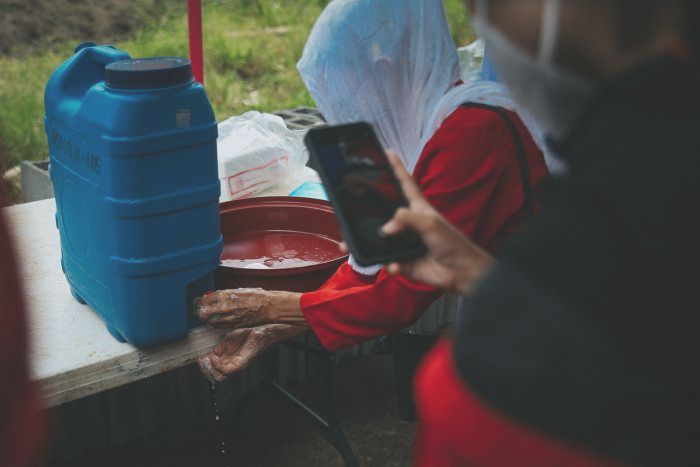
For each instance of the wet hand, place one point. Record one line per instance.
(241, 346)
(237, 308)
(247, 308)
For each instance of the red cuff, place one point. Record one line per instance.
(330, 340)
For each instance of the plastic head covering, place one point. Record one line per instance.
(391, 63)
(387, 62)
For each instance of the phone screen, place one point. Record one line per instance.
(363, 189)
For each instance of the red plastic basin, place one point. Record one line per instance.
(278, 243)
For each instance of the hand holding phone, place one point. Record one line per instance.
(452, 262)
(363, 190)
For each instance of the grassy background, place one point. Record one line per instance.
(250, 46)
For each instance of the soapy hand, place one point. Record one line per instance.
(247, 308)
(239, 308)
(241, 346)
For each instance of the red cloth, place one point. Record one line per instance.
(21, 423)
(469, 172)
(457, 429)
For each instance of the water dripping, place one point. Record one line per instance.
(219, 428)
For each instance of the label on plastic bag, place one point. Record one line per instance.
(248, 182)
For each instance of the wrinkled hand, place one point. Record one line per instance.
(247, 308)
(241, 346)
(453, 262)
(239, 308)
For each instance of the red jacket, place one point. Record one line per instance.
(21, 424)
(457, 429)
(469, 172)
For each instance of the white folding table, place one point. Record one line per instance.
(72, 354)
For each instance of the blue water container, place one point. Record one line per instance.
(133, 164)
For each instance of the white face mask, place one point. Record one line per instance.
(554, 97)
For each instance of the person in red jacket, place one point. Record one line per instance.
(475, 161)
(480, 191)
(21, 422)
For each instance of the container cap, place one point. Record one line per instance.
(148, 73)
(83, 45)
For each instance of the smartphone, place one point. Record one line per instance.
(363, 190)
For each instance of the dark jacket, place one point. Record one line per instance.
(589, 327)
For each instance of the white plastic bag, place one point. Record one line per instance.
(471, 61)
(256, 151)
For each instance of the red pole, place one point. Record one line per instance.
(194, 21)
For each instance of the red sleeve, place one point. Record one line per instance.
(456, 428)
(21, 426)
(469, 173)
(346, 278)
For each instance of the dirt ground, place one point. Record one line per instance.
(26, 24)
(269, 431)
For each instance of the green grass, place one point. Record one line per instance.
(251, 48)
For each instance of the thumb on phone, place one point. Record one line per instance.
(419, 215)
(408, 185)
(408, 219)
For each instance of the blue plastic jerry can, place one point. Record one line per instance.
(133, 164)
